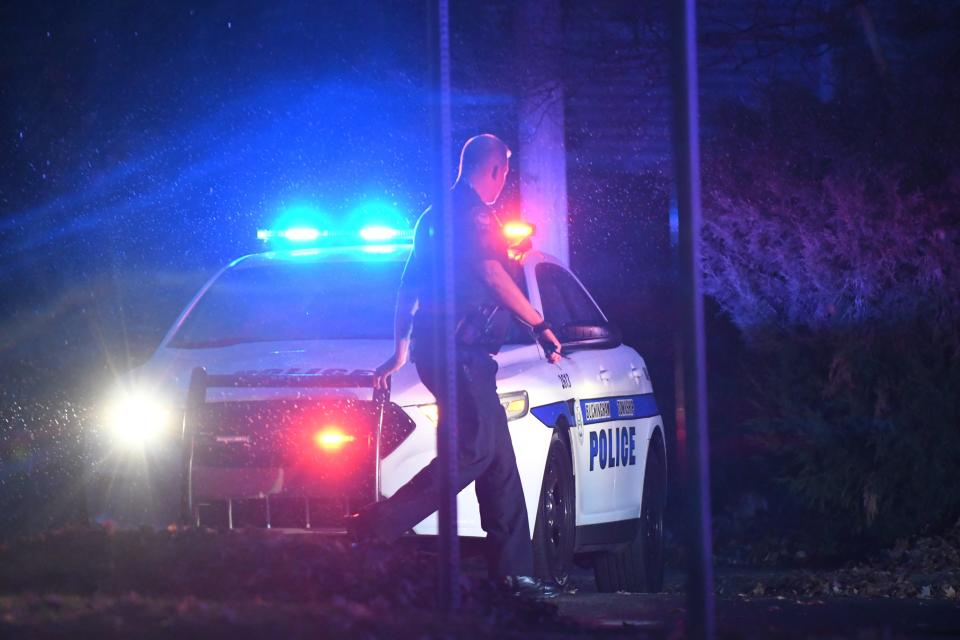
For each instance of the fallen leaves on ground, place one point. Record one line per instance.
(240, 584)
(925, 567)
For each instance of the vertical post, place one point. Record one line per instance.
(441, 130)
(543, 153)
(380, 400)
(686, 153)
(196, 397)
(678, 339)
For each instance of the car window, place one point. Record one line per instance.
(328, 300)
(332, 300)
(564, 300)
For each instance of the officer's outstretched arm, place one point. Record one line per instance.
(510, 296)
(407, 303)
(508, 293)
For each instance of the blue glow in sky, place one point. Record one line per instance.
(175, 160)
(378, 213)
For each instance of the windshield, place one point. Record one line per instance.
(333, 300)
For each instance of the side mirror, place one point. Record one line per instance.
(588, 336)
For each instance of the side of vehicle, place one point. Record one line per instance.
(608, 384)
(583, 434)
(605, 417)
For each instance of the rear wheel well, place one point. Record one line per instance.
(638, 566)
(657, 439)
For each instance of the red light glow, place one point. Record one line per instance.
(517, 230)
(332, 438)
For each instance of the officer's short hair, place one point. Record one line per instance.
(479, 150)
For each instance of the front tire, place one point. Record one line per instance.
(555, 527)
(638, 567)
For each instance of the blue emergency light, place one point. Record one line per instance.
(295, 234)
(379, 234)
(372, 235)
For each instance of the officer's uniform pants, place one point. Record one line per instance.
(485, 456)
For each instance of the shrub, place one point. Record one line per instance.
(840, 266)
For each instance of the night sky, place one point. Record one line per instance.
(151, 142)
(165, 134)
(142, 147)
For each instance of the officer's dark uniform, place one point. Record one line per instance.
(485, 450)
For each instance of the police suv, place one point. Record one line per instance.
(260, 398)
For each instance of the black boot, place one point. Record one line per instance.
(529, 587)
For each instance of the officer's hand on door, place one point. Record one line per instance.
(551, 346)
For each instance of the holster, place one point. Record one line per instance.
(476, 327)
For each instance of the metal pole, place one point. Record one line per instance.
(449, 544)
(196, 397)
(686, 153)
(380, 402)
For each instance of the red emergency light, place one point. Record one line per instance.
(517, 230)
(332, 438)
(519, 236)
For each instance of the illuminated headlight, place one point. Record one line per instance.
(136, 418)
(430, 411)
(516, 404)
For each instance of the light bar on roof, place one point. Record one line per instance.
(309, 236)
(294, 234)
(378, 234)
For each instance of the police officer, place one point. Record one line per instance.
(485, 296)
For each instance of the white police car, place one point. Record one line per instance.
(281, 429)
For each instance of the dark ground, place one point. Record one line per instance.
(244, 584)
(741, 615)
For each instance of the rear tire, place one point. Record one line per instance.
(638, 567)
(555, 527)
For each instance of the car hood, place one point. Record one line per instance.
(170, 369)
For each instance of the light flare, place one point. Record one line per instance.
(378, 233)
(301, 234)
(136, 418)
(518, 230)
(332, 439)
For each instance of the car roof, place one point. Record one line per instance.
(357, 253)
(351, 253)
